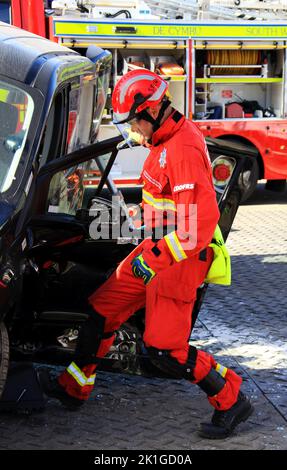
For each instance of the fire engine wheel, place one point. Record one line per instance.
(248, 180)
(4, 356)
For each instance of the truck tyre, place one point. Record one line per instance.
(248, 180)
(4, 356)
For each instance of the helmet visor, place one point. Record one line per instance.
(131, 138)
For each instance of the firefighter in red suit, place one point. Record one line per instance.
(162, 276)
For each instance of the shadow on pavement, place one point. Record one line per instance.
(263, 196)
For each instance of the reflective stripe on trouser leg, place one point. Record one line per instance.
(221, 370)
(223, 396)
(92, 345)
(79, 381)
(79, 375)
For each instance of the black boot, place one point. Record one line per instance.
(51, 387)
(223, 423)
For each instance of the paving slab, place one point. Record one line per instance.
(245, 326)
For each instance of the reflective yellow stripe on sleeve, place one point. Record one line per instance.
(175, 247)
(221, 370)
(79, 376)
(163, 204)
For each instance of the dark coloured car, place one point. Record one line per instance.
(51, 104)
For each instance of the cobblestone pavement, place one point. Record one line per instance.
(245, 326)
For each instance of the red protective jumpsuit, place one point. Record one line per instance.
(176, 174)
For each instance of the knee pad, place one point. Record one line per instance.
(162, 359)
(90, 337)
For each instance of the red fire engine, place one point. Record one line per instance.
(229, 77)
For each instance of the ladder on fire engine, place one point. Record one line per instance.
(257, 10)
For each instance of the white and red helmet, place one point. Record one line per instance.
(136, 91)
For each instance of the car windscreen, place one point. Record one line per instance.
(16, 111)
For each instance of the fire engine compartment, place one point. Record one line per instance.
(248, 73)
(228, 77)
(206, 77)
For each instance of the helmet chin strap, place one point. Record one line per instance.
(155, 122)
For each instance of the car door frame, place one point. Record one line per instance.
(77, 157)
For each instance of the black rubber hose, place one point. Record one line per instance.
(120, 12)
(82, 8)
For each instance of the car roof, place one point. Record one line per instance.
(19, 49)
